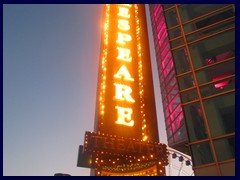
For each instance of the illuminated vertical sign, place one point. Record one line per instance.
(125, 85)
(123, 92)
(125, 138)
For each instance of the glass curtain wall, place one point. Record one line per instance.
(195, 52)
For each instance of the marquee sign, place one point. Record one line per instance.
(111, 144)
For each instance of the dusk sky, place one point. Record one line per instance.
(50, 70)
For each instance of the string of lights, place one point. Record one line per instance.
(140, 75)
(104, 67)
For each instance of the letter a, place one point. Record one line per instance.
(123, 73)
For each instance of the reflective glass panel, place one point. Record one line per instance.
(191, 11)
(181, 60)
(195, 122)
(177, 42)
(171, 18)
(176, 32)
(225, 148)
(217, 72)
(189, 95)
(213, 49)
(202, 154)
(220, 112)
(218, 87)
(186, 81)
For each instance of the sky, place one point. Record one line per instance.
(50, 70)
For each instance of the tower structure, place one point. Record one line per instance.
(125, 139)
(195, 53)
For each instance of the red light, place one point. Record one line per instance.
(209, 61)
(220, 85)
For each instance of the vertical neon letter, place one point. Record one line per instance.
(123, 93)
(124, 116)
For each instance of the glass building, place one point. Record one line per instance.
(195, 53)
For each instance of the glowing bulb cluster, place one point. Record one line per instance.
(104, 66)
(131, 163)
(132, 169)
(140, 75)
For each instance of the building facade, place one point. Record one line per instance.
(195, 53)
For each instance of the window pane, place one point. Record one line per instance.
(171, 84)
(225, 148)
(202, 154)
(173, 92)
(210, 30)
(176, 32)
(195, 122)
(220, 113)
(181, 60)
(177, 42)
(213, 49)
(168, 69)
(166, 6)
(170, 75)
(218, 87)
(214, 73)
(171, 18)
(186, 81)
(180, 134)
(179, 129)
(191, 11)
(176, 112)
(177, 122)
(204, 26)
(174, 103)
(162, 41)
(189, 95)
